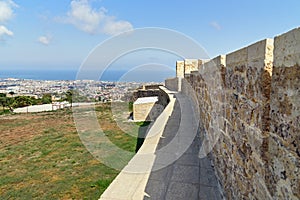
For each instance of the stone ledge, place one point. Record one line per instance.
(132, 180)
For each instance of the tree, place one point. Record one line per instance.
(69, 96)
(22, 101)
(9, 102)
(74, 96)
(46, 99)
(3, 102)
(11, 93)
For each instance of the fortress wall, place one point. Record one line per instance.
(216, 138)
(172, 84)
(206, 87)
(253, 116)
(180, 69)
(249, 108)
(247, 88)
(210, 85)
(195, 84)
(187, 89)
(186, 67)
(283, 177)
(190, 65)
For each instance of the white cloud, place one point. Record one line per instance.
(6, 13)
(113, 27)
(6, 10)
(94, 21)
(5, 31)
(216, 25)
(45, 40)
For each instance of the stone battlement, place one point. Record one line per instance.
(249, 107)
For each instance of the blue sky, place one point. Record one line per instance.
(49, 34)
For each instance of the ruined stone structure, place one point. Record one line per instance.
(146, 109)
(146, 91)
(249, 111)
(151, 91)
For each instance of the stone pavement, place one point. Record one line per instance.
(188, 177)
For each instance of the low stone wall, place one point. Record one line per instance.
(163, 98)
(147, 110)
(251, 118)
(132, 180)
(152, 91)
(172, 83)
(145, 93)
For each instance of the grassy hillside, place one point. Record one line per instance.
(42, 157)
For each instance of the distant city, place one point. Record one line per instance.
(93, 90)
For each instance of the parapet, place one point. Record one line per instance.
(255, 110)
(187, 66)
(287, 49)
(180, 69)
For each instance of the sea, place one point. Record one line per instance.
(39, 74)
(110, 75)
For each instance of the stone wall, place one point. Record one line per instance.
(180, 69)
(250, 117)
(150, 111)
(191, 65)
(163, 97)
(283, 175)
(172, 83)
(146, 111)
(186, 67)
(247, 91)
(145, 93)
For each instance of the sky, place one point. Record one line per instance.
(61, 34)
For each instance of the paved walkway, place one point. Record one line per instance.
(188, 177)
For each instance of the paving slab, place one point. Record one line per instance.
(188, 176)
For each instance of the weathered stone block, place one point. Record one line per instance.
(180, 69)
(172, 84)
(190, 65)
(287, 49)
(237, 58)
(283, 175)
(284, 145)
(146, 109)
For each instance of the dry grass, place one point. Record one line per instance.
(42, 157)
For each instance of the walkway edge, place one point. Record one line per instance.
(132, 180)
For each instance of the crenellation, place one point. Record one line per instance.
(285, 117)
(190, 65)
(180, 69)
(248, 103)
(238, 57)
(287, 49)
